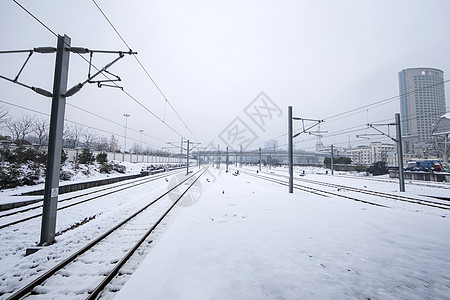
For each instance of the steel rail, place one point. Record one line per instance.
(82, 201)
(99, 288)
(25, 208)
(423, 202)
(27, 289)
(312, 190)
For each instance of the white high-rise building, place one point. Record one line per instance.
(422, 102)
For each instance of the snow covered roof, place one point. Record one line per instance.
(442, 126)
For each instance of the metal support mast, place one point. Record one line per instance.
(260, 159)
(55, 141)
(290, 151)
(332, 160)
(240, 157)
(400, 153)
(291, 137)
(218, 156)
(399, 142)
(187, 158)
(227, 161)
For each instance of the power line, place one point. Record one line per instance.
(117, 32)
(34, 17)
(145, 70)
(112, 121)
(126, 93)
(387, 100)
(357, 110)
(78, 123)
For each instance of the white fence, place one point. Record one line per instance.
(134, 158)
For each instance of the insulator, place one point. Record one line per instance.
(42, 92)
(45, 50)
(73, 90)
(79, 50)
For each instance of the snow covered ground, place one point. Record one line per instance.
(97, 216)
(249, 239)
(239, 237)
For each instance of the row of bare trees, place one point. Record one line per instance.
(27, 129)
(32, 130)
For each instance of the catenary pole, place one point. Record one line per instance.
(227, 161)
(240, 157)
(290, 151)
(55, 141)
(332, 160)
(260, 159)
(400, 153)
(187, 158)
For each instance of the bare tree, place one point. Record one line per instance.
(113, 144)
(67, 136)
(102, 144)
(136, 148)
(89, 137)
(72, 135)
(40, 129)
(20, 127)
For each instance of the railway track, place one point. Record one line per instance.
(408, 182)
(310, 189)
(438, 204)
(96, 194)
(442, 204)
(102, 258)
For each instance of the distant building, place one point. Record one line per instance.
(368, 155)
(422, 102)
(359, 155)
(271, 144)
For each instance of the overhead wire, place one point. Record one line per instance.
(112, 121)
(81, 124)
(145, 70)
(387, 100)
(126, 93)
(359, 109)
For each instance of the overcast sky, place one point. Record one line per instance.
(212, 59)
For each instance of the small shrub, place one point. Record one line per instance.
(65, 175)
(106, 168)
(86, 157)
(361, 168)
(23, 155)
(102, 158)
(378, 168)
(119, 168)
(30, 178)
(10, 177)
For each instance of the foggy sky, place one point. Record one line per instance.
(211, 59)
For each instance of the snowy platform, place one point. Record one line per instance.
(249, 239)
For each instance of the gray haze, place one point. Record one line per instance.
(212, 58)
